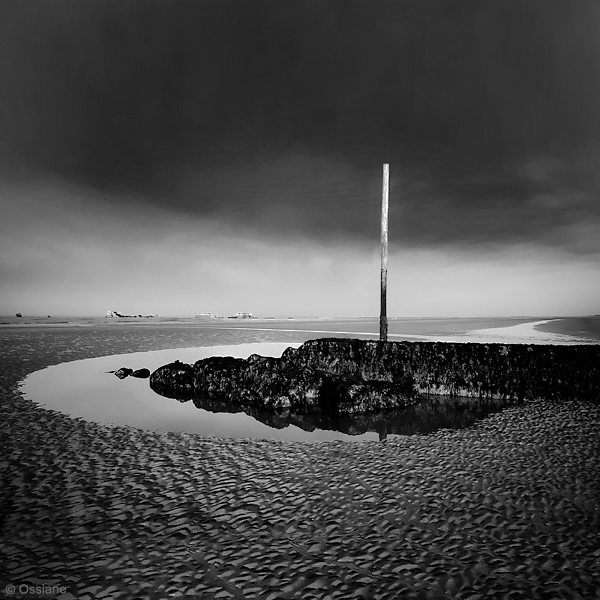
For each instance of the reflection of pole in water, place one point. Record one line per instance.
(383, 324)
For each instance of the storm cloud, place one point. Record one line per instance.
(278, 115)
(263, 125)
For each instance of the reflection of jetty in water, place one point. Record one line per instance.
(434, 412)
(354, 386)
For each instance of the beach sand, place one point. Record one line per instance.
(507, 509)
(523, 333)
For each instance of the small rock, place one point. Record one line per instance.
(123, 372)
(141, 373)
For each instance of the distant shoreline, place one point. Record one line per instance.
(248, 322)
(554, 330)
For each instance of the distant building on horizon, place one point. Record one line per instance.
(114, 313)
(209, 315)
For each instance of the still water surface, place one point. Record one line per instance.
(87, 389)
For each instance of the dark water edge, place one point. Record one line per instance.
(581, 327)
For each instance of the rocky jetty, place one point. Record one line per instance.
(346, 377)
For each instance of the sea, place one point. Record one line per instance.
(514, 329)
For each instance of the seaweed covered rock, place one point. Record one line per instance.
(175, 380)
(513, 371)
(298, 388)
(339, 377)
(291, 384)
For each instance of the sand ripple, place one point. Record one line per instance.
(507, 509)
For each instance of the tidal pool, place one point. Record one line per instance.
(87, 389)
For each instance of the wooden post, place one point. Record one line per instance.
(383, 323)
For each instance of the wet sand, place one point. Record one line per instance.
(536, 332)
(507, 509)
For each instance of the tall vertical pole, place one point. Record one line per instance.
(383, 323)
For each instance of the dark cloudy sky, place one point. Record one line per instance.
(224, 155)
